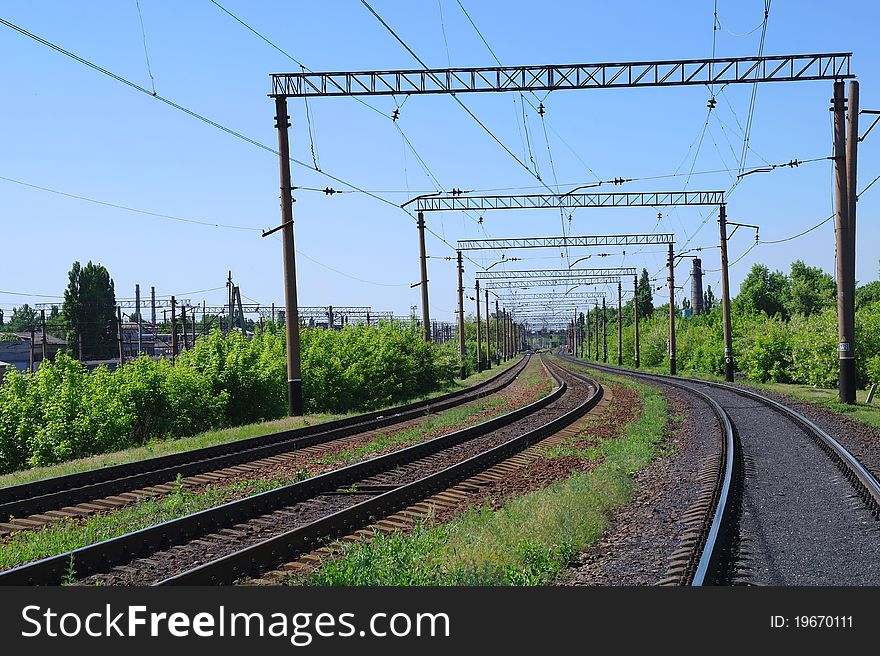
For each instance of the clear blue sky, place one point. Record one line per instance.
(66, 127)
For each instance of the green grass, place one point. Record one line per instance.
(158, 448)
(528, 541)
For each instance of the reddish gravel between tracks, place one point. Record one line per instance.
(544, 471)
(641, 536)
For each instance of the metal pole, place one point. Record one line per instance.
(294, 376)
(423, 257)
(231, 295)
(597, 331)
(589, 333)
(845, 149)
(137, 304)
(330, 317)
(119, 334)
(488, 342)
(461, 345)
(497, 334)
(479, 332)
(183, 321)
(33, 347)
(45, 344)
(671, 284)
(636, 319)
(725, 297)
(173, 328)
(604, 332)
(153, 301)
(619, 324)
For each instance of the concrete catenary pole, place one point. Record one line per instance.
(697, 286)
(423, 265)
(497, 334)
(44, 341)
(619, 324)
(597, 331)
(604, 332)
(294, 376)
(119, 335)
(137, 309)
(173, 328)
(462, 353)
(845, 168)
(479, 330)
(488, 343)
(671, 284)
(636, 320)
(589, 335)
(725, 296)
(153, 303)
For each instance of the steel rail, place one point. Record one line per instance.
(124, 548)
(270, 553)
(52, 493)
(716, 532)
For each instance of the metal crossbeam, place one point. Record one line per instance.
(569, 201)
(551, 296)
(556, 273)
(565, 242)
(678, 72)
(549, 282)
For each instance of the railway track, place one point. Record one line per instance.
(244, 537)
(31, 505)
(784, 503)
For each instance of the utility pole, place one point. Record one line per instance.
(589, 335)
(137, 309)
(185, 334)
(230, 293)
(604, 332)
(153, 302)
(597, 331)
(423, 262)
(725, 296)
(119, 335)
(44, 339)
(461, 345)
(488, 342)
(497, 334)
(636, 319)
(845, 153)
(479, 328)
(33, 347)
(173, 328)
(330, 317)
(294, 376)
(619, 325)
(671, 284)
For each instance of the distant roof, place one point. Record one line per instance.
(50, 339)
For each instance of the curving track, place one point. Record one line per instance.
(75, 495)
(242, 538)
(790, 506)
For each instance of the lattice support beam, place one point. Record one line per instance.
(557, 77)
(565, 242)
(556, 273)
(569, 201)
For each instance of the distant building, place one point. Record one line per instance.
(17, 352)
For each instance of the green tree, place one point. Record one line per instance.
(646, 298)
(811, 289)
(22, 319)
(763, 291)
(708, 299)
(90, 310)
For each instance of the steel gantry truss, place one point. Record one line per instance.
(678, 72)
(556, 273)
(550, 282)
(569, 201)
(565, 242)
(735, 70)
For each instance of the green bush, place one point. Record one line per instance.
(62, 411)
